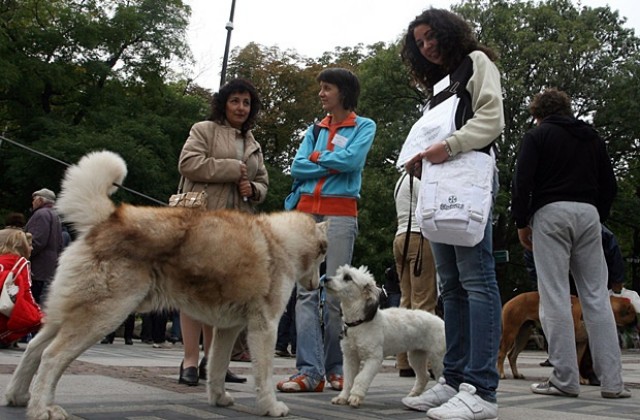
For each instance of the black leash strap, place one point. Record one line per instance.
(15, 143)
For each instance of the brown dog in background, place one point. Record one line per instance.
(521, 314)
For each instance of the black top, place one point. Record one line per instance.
(562, 159)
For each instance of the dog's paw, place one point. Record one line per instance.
(52, 412)
(222, 400)
(14, 400)
(339, 400)
(279, 409)
(519, 376)
(355, 400)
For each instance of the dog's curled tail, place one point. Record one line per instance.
(84, 198)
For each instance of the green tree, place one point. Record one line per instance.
(83, 75)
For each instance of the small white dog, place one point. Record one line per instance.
(370, 334)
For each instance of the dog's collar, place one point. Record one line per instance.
(368, 318)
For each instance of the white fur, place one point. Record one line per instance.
(86, 187)
(391, 331)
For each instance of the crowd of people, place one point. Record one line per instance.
(562, 193)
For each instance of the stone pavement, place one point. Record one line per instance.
(140, 383)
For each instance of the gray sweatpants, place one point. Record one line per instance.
(567, 236)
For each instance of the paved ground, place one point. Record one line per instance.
(140, 383)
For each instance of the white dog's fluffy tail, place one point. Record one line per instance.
(84, 198)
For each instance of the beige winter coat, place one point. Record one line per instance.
(208, 158)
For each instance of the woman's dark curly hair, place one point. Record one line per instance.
(455, 41)
(550, 102)
(219, 102)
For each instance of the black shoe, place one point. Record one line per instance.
(202, 369)
(188, 376)
(231, 377)
(407, 373)
(282, 353)
(128, 341)
(106, 340)
(546, 363)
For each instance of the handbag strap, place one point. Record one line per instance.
(181, 185)
(19, 265)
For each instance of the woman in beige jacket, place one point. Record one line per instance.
(222, 157)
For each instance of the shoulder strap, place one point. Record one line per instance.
(316, 133)
(457, 86)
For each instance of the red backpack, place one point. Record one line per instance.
(26, 316)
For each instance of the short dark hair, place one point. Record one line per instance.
(551, 101)
(347, 83)
(219, 102)
(455, 41)
(15, 219)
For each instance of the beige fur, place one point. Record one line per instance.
(228, 269)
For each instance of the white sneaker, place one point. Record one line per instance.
(465, 405)
(437, 395)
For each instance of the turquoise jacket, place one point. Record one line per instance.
(330, 168)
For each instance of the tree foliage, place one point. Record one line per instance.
(80, 75)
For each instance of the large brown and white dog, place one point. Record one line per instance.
(370, 334)
(521, 314)
(228, 269)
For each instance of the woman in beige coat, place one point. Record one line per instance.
(222, 157)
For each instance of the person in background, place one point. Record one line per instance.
(563, 189)
(437, 42)
(287, 329)
(391, 293)
(615, 280)
(14, 220)
(222, 157)
(25, 315)
(330, 169)
(129, 325)
(46, 228)
(418, 289)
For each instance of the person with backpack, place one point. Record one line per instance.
(437, 42)
(19, 312)
(329, 167)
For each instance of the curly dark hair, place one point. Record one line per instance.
(455, 41)
(551, 101)
(347, 83)
(219, 102)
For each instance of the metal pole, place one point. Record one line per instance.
(229, 28)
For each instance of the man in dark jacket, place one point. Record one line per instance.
(46, 228)
(563, 189)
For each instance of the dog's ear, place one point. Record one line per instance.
(372, 301)
(371, 307)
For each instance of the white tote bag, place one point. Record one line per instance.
(454, 204)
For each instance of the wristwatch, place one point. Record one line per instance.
(447, 148)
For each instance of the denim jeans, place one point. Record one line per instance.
(472, 314)
(319, 356)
